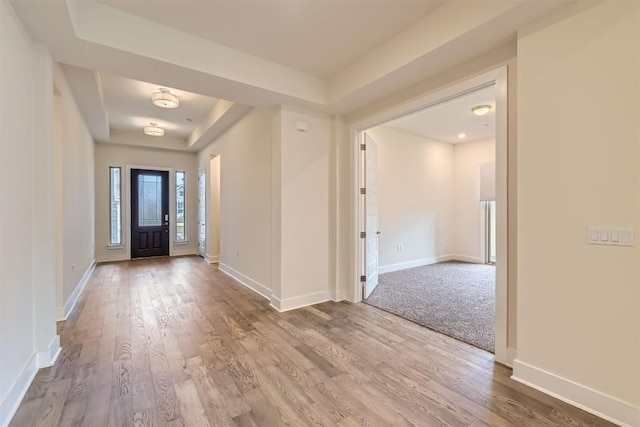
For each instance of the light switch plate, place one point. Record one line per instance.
(610, 236)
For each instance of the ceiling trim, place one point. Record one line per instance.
(221, 117)
(91, 103)
(82, 33)
(93, 22)
(445, 24)
(453, 34)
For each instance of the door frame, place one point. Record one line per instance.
(213, 209)
(496, 78)
(369, 143)
(127, 205)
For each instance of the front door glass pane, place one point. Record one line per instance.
(149, 200)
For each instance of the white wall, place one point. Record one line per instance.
(415, 199)
(468, 228)
(428, 198)
(245, 198)
(118, 155)
(579, 164)
(75, 183)
(304, 239)
(28, 337)
(274, 204)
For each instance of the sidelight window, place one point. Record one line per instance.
(180, 207)
(115, 205)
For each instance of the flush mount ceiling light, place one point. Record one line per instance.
(153, 130)
(164, 99)
(481, 110)
(462, 135)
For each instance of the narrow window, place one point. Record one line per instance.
(180, 207)
(115, 206)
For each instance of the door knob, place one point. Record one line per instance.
(377, 232)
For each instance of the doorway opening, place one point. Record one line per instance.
(495, 81)
(424, 182)
(149, 213)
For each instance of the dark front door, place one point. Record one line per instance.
(149, 213)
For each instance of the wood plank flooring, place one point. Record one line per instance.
(174, 342)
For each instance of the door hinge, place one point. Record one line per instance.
(363, 191)
(363, 234)
(363, 279)
(363, 147)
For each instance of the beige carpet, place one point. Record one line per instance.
(454, 298)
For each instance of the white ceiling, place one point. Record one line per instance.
(333, 56)
(445, 121)
(317, 37)
(129, 108)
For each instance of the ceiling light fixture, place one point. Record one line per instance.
(164, 99)
(462, 135)
(481, 110)
(153, 130)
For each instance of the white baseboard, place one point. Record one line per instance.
(41, 359)
(339, 295)
(212, 259)
(182, 250)
(60, 314)
(48, 356)
(10, 404)
(115, 257)
(581, 396)
(256, 287)
(63, 312)
(292, 303)
(411, 264)
(512, 353)
(466, 258)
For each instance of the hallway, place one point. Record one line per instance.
(174, 342)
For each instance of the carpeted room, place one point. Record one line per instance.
(454, 298)
(436, 218)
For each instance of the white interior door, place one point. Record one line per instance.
(371, 212)
(201, 215)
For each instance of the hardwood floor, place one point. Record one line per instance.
(174, 342)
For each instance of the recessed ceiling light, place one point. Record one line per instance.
(164, 99)
(462, 135)
(153, 130)
(481, 110)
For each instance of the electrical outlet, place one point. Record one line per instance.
(237, 254)
(400, 247)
